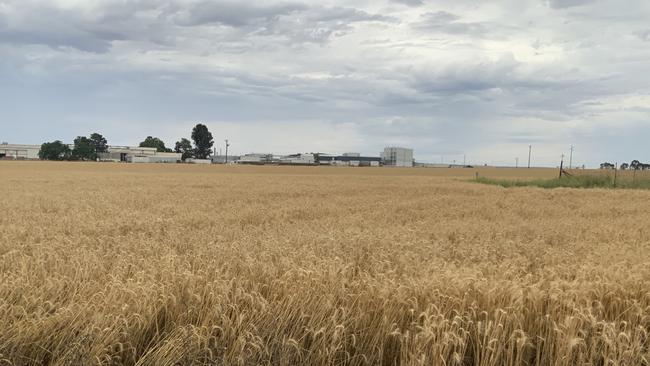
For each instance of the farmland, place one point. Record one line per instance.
(117, 264)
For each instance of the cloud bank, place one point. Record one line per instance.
(448, 78)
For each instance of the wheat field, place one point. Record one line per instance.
(115, 264)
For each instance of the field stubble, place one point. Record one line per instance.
(159, 265)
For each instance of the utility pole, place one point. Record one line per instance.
(464, 156)
(227, 144)
(571, 157)
(530, 148)
(516, 162)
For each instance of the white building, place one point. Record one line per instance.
(19, 151)
(397, 156)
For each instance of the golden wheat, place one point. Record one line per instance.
(111, 264)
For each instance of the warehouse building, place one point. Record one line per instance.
(299, 159)
(132, 154)
(19, 151)
(223, 159)
(397, 156)
(349, 159)
(256, 159)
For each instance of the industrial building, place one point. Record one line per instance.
(391, 156)
(133, 154)
(349, 160)
(115, 153)
(397, 156)
(256, 159)
(223, 159)
(19, 151)
(299, 159)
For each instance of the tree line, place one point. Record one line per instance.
(634, 165)
(89, 148)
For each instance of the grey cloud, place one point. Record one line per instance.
(412, 3)
(318, 24)
(168, 23)
(235, 14)
(470, 77)
(46, 24)
(559, 4)
(350, 15)
(444, 22)
(644, 35)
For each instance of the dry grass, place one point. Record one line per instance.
(160, 265)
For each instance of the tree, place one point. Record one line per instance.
(156, 143)
(624, 166)
(99, 143)
(84, 149)
(184, 146)
(203, 141)
(56, 150)
(635, 164)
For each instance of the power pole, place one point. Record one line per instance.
(516, 162)
(530, 148)
(464, 156)
(571, 157)
(227, 144)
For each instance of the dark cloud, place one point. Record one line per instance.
(64, 27)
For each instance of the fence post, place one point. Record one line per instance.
(615, 173)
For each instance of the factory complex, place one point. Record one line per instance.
(391, 156)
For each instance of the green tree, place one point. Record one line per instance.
(184, 146)
(99, 143)
(84, 149)
(156, 143)
(56, 150)
(203, 141)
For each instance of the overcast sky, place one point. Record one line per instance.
(447, 77)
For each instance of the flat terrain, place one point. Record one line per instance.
(119, 264)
